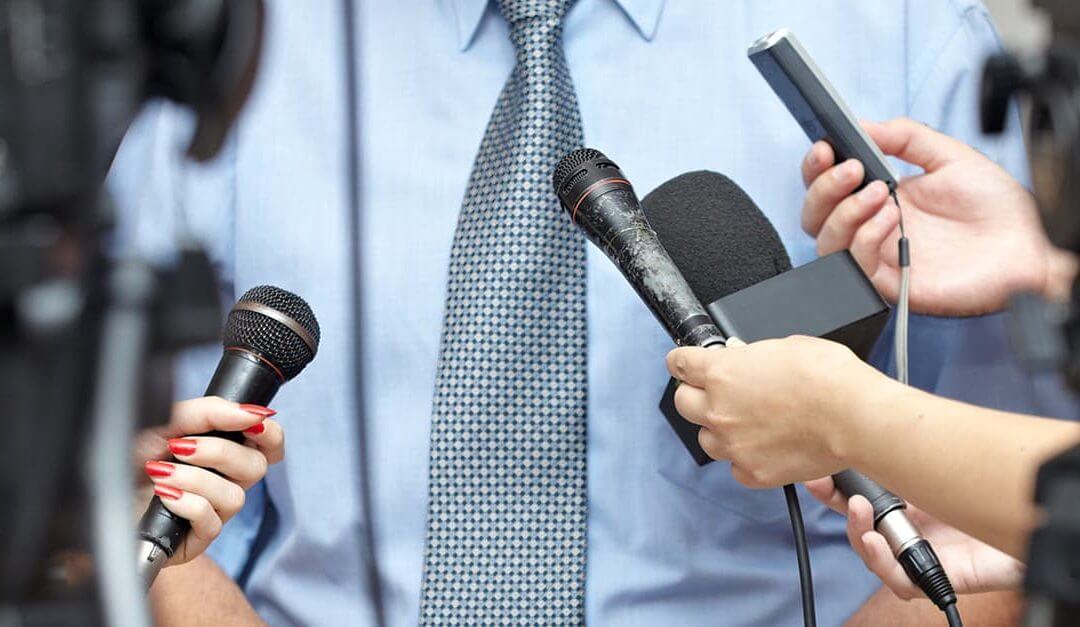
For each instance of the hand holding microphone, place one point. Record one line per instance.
(973, 566)
(602, 203)
(778, 410)
(271, 335)
(203, 479)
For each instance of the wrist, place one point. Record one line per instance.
(862, 411)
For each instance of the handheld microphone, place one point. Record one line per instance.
(602, 203)
(269, 337)
(722, 243)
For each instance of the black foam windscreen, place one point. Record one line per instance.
(715, 234)
(270, 338)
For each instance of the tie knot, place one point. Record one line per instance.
(518, 11)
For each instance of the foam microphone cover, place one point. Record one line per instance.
(715, 234)
(736, 265)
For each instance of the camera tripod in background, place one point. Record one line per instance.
(1048, 335)
(86, 339)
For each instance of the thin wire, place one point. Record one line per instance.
(900, 334)
(900, 212)
(352, 140)
(802, 552)
(902, 318)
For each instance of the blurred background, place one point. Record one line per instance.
(1022, 28)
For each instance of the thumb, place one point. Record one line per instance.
(916, 143)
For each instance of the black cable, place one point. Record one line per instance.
(352, 142)
(953, 615)
(802, 552)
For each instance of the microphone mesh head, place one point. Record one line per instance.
(571, 162)
(715, 234)
(270, 338)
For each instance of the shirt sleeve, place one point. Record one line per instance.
(164, 202)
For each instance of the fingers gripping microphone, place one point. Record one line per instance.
(722, 243)
(269, 337)
(602, 203)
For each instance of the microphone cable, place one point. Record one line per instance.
(921, 566)
(802, 553)
(369, 563)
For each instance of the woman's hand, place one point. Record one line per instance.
(971, 565)
(177, 464)
(975, 233)
(777, 409)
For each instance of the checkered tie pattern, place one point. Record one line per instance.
(507, 508)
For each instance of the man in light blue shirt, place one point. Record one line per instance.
(664, 87)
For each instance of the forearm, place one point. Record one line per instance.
(991, 609)
(971, 467)
(199, 593)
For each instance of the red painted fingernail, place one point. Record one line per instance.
(255, 429)
(168, 492)
(182, 446)
(159, 469)
(258, 410)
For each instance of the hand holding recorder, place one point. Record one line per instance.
(975, 232)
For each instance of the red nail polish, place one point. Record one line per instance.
(182, 446)
(258, 410)
(255, 429)
(159, 469)
(168, 492)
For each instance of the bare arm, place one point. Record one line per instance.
(200, 593)
(971, 467)
(992, 609)
(797, 409)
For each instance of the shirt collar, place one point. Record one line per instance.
(468, 14)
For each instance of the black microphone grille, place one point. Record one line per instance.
(277, 325)
(570, 164)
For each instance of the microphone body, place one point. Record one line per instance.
(602, 203)
(264, 347)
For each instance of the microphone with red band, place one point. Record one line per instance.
(269, 337)
(602, 203)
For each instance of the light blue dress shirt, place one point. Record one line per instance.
(664, 88)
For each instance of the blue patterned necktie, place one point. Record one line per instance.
(506, 516)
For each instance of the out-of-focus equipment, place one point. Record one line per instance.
(1051, 84)
(85, 341)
